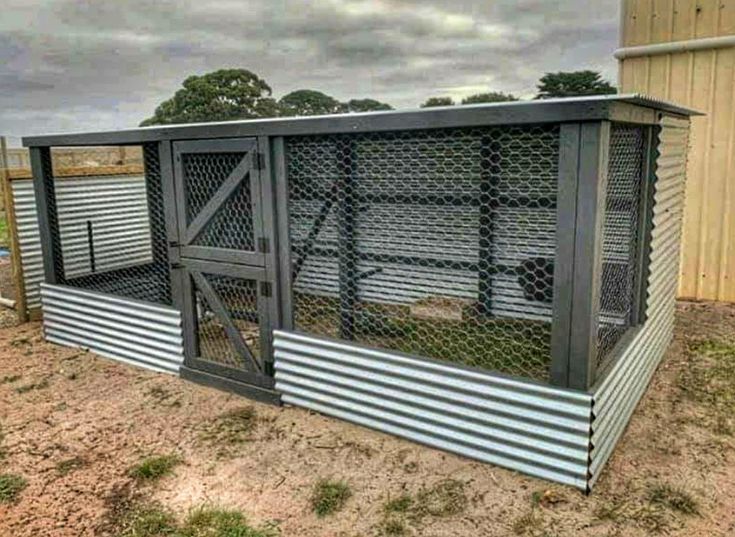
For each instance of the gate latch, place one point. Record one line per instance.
(263, 245)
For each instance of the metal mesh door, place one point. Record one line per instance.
(226, 309)
(218, 190)
(437, 243)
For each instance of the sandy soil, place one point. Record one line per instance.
(59, 404)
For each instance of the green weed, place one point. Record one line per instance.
(329, 496)
(11, 486)
(154, 468)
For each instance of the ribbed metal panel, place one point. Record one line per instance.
(532, 428)
(130, 331)
(117, 207)
(616, 397)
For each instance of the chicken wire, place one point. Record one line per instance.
(148, 281)
(231, 227)
(239, 298)
(620, 248)
(437, 243)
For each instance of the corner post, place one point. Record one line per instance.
(588, 237)
(48, 224)
(581, 199)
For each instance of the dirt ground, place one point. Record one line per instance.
(73, 425)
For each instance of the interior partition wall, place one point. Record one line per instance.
(468, 278)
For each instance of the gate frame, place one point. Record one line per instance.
(258, 386)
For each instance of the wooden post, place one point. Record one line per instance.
(16, 264)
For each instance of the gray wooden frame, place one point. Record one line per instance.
(47, 217)
(594, 146)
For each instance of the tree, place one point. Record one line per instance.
(570, 84)
(490, 97)
(366, 105)
(223, 95)
(437, 101)
(306, 102)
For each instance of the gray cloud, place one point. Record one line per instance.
(76, 65)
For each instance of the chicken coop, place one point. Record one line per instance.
(497, 281)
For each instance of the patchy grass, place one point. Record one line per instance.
(708, 379)
(216, 522)
(11, 486)
(9, 379)
(154, 468)
(329, 496)
(163, 397)
(674, 498)
(401, 504)
(529, 524)
(147, 521)
(654, 510)
(41, 385)
(3, 449)
(394, 526)
(231, 429)
(445, 498)
(632, 511)
(133, 516)
(67, 466)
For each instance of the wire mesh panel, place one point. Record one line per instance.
(437, 243)
(620, 237)
(223, 332)
(231, 227)
(94, 221)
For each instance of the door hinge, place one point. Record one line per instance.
(265, 289)
(263, 245)
(259, 160)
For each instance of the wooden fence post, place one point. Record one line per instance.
(14, 244)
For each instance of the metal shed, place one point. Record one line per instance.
(493, 280)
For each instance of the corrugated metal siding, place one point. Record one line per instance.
(117, 207)
(130, 331)
(618, 394)
(702, 80)
(535, 429)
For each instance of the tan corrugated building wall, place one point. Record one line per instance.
(695, 69)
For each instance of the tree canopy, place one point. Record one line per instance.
(437, 101)
(306, 102)
(574, 83)
(489, 97)
(366, 105)
(223, 95)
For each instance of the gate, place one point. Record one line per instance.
(222, 263)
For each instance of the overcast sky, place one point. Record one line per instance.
(73, 65)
